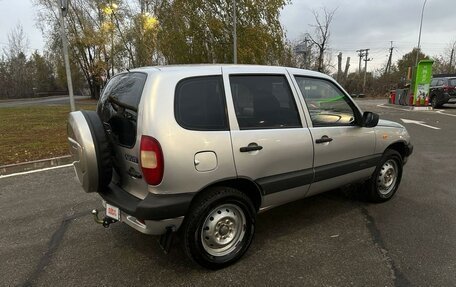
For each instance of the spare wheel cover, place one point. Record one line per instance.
(90, 150)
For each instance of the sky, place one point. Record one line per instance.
(357, 24)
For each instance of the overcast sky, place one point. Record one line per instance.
(357, 24)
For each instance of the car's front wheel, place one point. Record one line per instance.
(219, 228)
(386, 177)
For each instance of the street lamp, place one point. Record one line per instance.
(63, 12)
(234, 34)
(419, 35)
(109, 10)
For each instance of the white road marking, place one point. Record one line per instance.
(35, 171)
(442, 113)
(393, 108)
(421, 123)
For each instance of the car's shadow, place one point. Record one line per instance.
(282, 221)
(448, 107)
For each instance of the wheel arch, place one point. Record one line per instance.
(245, 185)
(400, 147)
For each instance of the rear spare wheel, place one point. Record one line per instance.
(90, 150)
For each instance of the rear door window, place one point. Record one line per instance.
(264, 102)
(200, 104)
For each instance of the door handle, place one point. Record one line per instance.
(250, 147)
(323, 139)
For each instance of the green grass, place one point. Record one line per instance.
(32, 133)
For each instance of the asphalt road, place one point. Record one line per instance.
(48, 237)
(53, 100)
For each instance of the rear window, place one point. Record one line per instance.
(200, 104)
(118, 106)
(452, 82)
(125, 90)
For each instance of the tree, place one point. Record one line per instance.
(408, 60)
(321, 35)
(15, 67)
(445, 62)
(201, 31)
(88, 30)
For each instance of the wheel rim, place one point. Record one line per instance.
(387, 177)
(223, 229)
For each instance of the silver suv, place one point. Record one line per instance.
(204, 148)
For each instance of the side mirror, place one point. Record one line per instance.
(370, 119)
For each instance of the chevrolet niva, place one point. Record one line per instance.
(203, 148)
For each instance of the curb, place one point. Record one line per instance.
(36, 164)
(411, 108)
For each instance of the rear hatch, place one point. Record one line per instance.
(118, 108)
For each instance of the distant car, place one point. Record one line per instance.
(203, 148)
(442, 90)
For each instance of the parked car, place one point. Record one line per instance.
(204, 148)
(442, 90)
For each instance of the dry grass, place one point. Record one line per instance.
(32, 133)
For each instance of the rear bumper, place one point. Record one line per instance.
(153, 207)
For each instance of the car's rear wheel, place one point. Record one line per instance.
(219, 227)
(386, 178)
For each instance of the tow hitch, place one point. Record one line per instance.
(106, 221)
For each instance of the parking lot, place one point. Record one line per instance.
(48, 237)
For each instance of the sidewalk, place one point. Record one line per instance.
(32, 165)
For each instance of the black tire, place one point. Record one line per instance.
(196, 226)
(380, 189)
(102, 147)
(434, 102)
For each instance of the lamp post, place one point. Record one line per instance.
(63, 12)
(234, 33)
(419, 35)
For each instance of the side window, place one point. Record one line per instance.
(433, 82)
(440, 82)
(327, 104)
(264, 102)
(200, 104)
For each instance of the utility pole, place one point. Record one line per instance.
(365, 67)
(388, 65)
(361, 56)
(63, 12)
(303, 49)
(450, 68)
(234, 33)
(339, 66)
(347, 66)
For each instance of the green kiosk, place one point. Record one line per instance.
(422, 82)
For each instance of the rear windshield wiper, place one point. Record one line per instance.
(114, 100)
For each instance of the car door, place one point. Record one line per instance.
(271, 142)
(343, 150)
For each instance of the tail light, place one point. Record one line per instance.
(151, 159)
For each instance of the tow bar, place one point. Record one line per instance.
(106, 221)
